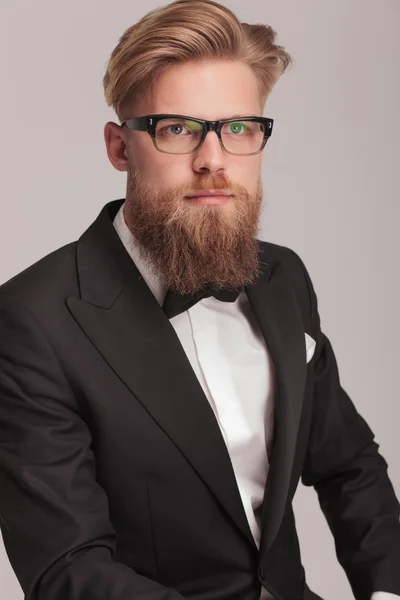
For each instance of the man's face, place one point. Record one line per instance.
(188, 243)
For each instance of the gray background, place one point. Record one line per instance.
(330, 173)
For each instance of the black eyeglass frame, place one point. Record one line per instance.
(149, 123)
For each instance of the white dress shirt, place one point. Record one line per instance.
(232, 363)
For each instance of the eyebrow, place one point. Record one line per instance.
(238, 116)
(241, 115)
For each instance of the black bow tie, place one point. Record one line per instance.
(176, 303)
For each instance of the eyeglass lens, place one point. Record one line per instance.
(176, 135)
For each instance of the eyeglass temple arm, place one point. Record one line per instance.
(139, 124)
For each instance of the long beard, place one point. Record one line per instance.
(191, 246)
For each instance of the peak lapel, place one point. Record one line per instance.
(274, 305)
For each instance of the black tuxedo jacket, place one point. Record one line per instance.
(115, 480)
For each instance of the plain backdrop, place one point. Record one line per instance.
(330, 175)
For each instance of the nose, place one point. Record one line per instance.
(210, 156)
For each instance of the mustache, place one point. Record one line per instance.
(211, 183)
(237, 190)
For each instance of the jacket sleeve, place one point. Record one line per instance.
(53, 514)
(350, 477)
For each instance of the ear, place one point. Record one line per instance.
(114, 137)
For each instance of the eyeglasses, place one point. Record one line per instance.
(178, 134)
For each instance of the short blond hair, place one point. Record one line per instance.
(189, 30)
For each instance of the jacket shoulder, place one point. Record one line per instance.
(54, 275)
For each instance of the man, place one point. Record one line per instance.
(164, 380)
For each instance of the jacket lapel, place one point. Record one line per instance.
(119, 314)
(274, 304)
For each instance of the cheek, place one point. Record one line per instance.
(171, 173)
(164, 172)
(144, 156)
(246, 173)
(173, 170)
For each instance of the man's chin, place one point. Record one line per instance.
(209, 201)
(207, 222)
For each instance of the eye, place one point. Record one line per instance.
(237, 128)
(179, 128)
(175, 129)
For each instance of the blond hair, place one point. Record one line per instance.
(189, 30)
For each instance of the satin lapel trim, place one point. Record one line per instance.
(274, 305)
(139, 343)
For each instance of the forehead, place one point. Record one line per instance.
(206, 90)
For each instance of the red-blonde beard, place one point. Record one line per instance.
(190, 246)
